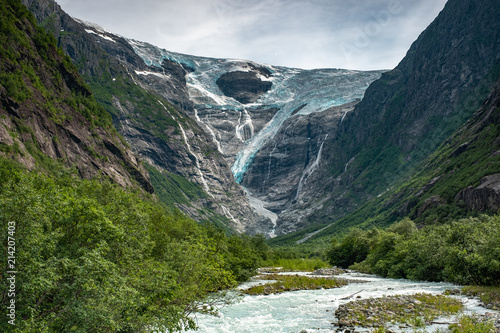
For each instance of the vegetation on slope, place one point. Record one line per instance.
(47, 111)
(91, 257)
(26, 48)
(464, 251)
(151, 112)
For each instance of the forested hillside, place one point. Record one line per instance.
(187, 170)
(446, 75)
(85, 247)
(48, 111)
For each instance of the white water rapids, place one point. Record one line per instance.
(314, 310)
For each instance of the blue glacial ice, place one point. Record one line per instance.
(294, 92)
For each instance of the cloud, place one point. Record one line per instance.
(365, 34)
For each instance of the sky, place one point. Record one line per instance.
(356, 34)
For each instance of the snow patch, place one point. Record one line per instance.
(100, 35)
(160, 75)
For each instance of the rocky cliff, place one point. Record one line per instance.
(237, 107)
(249, 132)
(404, 116)
(148, 105)
(297, 140)
(459, 179)
(48, 113)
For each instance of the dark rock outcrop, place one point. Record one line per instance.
(432, 202)
(482, 198)
(245, 87)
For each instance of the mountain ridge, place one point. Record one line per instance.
(48, 112)
(155, 123)
(337, 155)
(405, 115)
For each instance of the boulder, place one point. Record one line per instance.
(483, 198)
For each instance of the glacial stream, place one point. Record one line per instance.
(314, 311)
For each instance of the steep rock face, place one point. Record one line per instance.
(148, 104)
(466, 167)
(240, 130)
(483, 198)
(460, 178)
(283, 170)
(49, 111)
(406, 114)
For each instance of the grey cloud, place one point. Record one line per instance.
(363, 34)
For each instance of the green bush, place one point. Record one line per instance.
(353, 248)
(464, 251)
(93, 258)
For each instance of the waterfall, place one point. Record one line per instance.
(229, 215)
(347, 164)
(270, 162)
(310, 169)
(245, 128)
(343, 116)
(207, 126)
(198, 168)
(197, 161)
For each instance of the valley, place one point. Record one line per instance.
(270, 126)
(146, 184)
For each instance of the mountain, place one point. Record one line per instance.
(448, 72)
(228, 108)
(247, 129)
(187, 170)
(98, 252)
(48, 113)
(423, 143)
(306, 146)
(461, 178)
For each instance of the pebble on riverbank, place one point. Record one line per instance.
(329, 271)
(412, 310)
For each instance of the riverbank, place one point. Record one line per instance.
(489, 296)
(314, 310)
(399, 312)
(383, 314)
(416, 310)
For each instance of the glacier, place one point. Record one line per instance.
(293, 92)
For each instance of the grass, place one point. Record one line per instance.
(472, 324)
(303, 265)
(293, 283)
(487, 294)
(416, 310)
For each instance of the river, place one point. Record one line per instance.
(313, 311)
